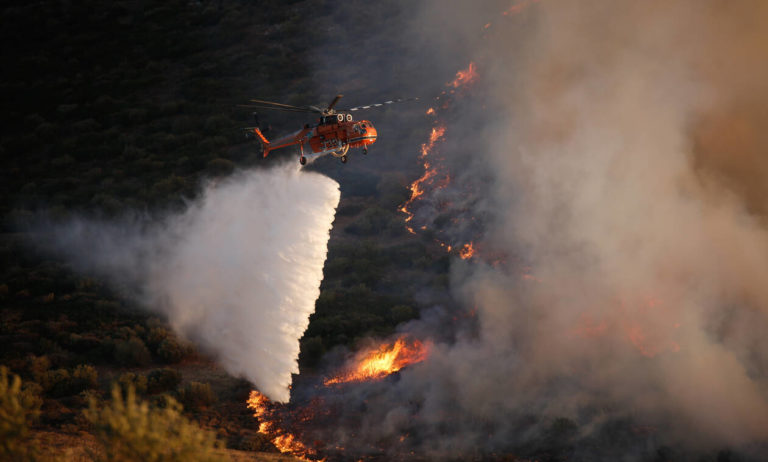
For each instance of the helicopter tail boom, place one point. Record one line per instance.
(264, 141)
(295, 138)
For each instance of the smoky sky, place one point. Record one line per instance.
(618, 147)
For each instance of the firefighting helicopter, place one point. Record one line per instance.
(335, 133)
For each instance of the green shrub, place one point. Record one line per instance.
(84, 376)
(220, 167)
(56, 382)
(401, 313)
(349, 210)
(216, 124)
(156, 335)
(38, 366)
(171, 351)
(129, 430)
(137, 381)
(196, 395)
(372, 221)
(62, 382)
(160, 380)
(18, 407)
(132, 352)
(312, 350)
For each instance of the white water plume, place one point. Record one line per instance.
(238, 272)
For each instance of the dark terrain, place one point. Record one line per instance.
(126, 107)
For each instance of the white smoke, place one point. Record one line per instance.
(238, 272)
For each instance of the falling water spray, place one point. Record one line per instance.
(238, 272)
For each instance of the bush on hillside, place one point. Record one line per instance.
(128, 429)
(137, 381)
(171, 351)
(196, 395)
(160, 380)
(132, 352)
(18, 407)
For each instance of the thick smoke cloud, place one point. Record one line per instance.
(625, 146)
(651, 266)
(238, 272)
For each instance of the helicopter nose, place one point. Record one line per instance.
(371, 133)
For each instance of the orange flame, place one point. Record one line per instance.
(436, 134)
(429, 173)
(435, 175)
(286, 442)
(383, 360)
(465, 76)
(467, 251)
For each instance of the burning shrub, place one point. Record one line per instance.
(258, 442)
(128, 429)
(381, 360)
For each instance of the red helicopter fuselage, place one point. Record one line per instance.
(334, 134)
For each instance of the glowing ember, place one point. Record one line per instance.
(635, 325)
(286, 442)
(465, 77)
(650, 343)
(431, 111)
(467, 251)
(648, 337)
(383, 360)
(589, 328)
(518, 7)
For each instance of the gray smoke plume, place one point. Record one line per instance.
(622, 145)
(238, 272)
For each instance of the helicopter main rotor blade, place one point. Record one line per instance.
(273, 108)
(333, 103)
(287, 106)
(371, 106)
